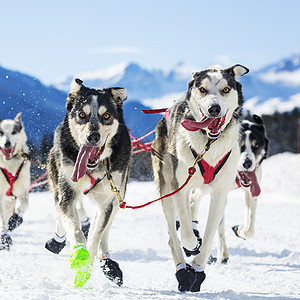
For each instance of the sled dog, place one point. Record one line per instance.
(91, 146)
(254, 146)
(209, 115)
(14, 177)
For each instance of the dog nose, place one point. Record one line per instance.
(214, 110)
(94, 137)
(7, 144)
(247, 163)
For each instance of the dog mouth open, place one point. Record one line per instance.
(248, 178)
(87, 158)
(8, 152)
(212, 125)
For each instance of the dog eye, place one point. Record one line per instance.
(14, 131)
(226, 90)
(82, 115)
(106, 116)
(256, 146)
(202, 90)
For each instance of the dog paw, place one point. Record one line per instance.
(80, 262)
(194, 251)
(112, 271)
(54, 246)
(199, 278)
(185, 278)
(237, 231)
(14, 221)
(211, 260)
(6, 241)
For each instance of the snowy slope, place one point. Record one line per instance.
(264, 267)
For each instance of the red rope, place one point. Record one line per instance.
(191, 171)
(36, 183)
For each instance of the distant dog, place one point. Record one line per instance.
(210, 111)
(254, 146)
(14, 177)
(91, 139)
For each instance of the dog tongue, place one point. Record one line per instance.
(81, 163)
(254, 187)
(194, 126)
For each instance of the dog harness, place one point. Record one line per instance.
(209, 172)
(11, 178)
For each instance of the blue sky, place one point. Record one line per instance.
(53, 39)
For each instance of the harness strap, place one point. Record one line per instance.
(209, 172)
(11, 178)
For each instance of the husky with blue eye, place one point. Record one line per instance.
(209, 114)
(91, 142)
(14, 177)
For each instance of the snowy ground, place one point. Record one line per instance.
(265, 267)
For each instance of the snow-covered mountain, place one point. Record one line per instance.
(139, 82)
(273, 88)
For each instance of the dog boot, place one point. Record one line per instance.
(56, 244)
(5, 241)
(185, 276)
(199, 278)
(80, 262)
(15, 221)
(85, 227)
(236, 230)
(111, 270)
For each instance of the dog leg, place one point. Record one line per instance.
(246, 231)
(110, 267)
(58, 242)
(215, 214)
(84, 219)
(189, 241)
(223, 254)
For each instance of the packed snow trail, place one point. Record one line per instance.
(264, 267)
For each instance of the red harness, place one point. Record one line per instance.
(11, 178)
(209, 172)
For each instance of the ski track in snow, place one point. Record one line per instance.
(264, 267)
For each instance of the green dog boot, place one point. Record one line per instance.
(80, 262)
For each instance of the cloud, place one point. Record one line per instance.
(223, 60)
(114, 50)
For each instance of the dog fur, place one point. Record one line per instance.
(94, 118)
(213, 94)
(13, 198)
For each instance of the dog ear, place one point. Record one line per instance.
(257, 120)
(237, 70)
(18, 117)
(76, 85)
(119, 94)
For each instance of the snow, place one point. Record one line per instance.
(289, 78)
(272, 105)
(264, 267)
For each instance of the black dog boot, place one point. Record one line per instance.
(185, 277)
(112, 270)
(85, 227)
(199, 278)
(5, 241)
(56, 244)
(14, 221)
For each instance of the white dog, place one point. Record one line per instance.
(14, 177)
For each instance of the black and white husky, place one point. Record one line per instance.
(14, 177)
(254, 149)
(254, 146)
(91, 139)
(211, 110)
